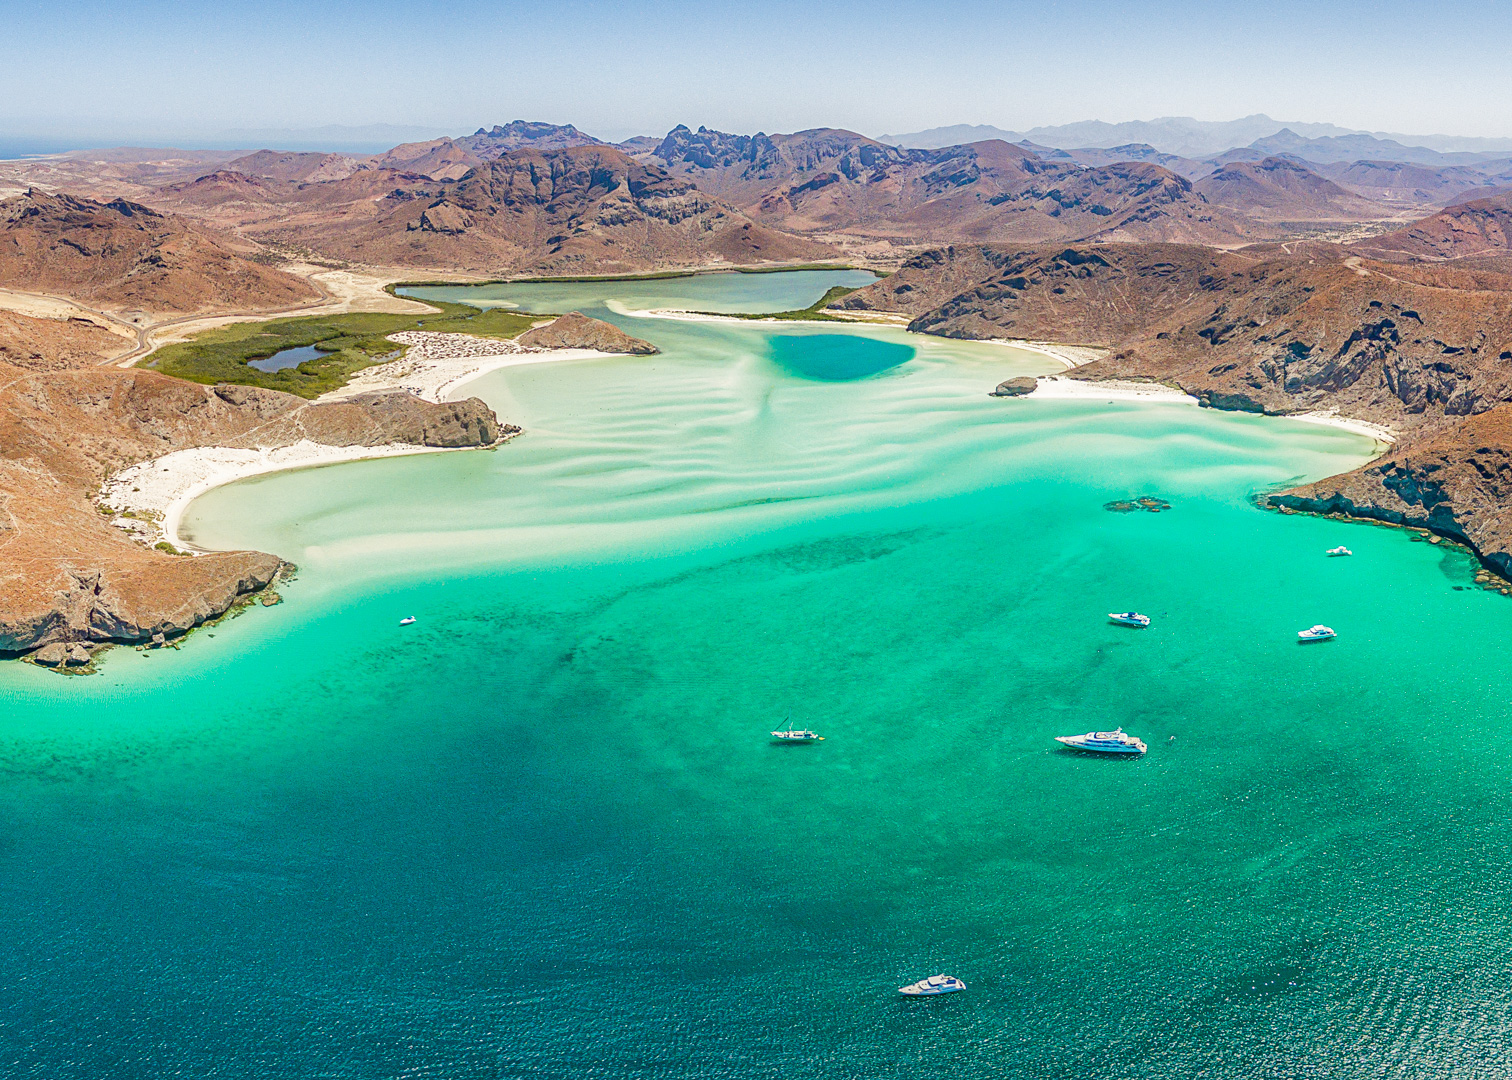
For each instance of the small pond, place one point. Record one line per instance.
(287, 358)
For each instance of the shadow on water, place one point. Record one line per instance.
(836, 357)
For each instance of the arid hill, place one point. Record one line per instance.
(1405, 183)
(1278, 190)
(1260, 331)
(1474, 229)
(834, 181)
(588, 209)
(121, 254)
(450, 159)
(304, 168)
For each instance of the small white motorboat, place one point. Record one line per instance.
(1316, 633)
(797, 735)
(407, 620)
(1104, 742)
(935, 984)
(1129, 618)
(1340, 550)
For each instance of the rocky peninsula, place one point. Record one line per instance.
(71, 575)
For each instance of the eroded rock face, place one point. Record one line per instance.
(1458, 482)
(578, 331)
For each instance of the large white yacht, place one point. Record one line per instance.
(1316, 633)
(1129, 618)
(935, 984)
(1104, 742)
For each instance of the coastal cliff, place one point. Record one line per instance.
(68, 575)
(1457, 483)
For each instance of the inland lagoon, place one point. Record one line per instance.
(544, 829)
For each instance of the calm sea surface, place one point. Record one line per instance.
(543, 832)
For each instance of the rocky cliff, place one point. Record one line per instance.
(1458, 483)
(68, 575)
(578, 331)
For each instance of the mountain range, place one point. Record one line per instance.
(1185, 136)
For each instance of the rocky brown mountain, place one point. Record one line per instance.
(450, 159)
(122, 254)
(1475, 229)
(300, 167)
(589, 209)
(1278, 190)
(834, 181)
(1406, 183)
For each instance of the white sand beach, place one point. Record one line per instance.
(157, 492)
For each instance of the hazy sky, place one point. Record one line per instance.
(174, 70)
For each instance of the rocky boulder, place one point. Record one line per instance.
(1016, 387)
(578, 331)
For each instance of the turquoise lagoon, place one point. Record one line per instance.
(543, 831)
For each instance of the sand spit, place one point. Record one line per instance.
(438, 365)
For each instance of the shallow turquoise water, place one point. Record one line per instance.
(542, 830)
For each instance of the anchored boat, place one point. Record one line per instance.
(797, 735)
(1104, 742)
(1316, 633)
(1129, 618)
(935, 984)
(1340, 550)
(407, 620)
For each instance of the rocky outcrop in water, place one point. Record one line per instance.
(1018, 387)
(577, 331)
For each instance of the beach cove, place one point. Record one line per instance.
(543, 830)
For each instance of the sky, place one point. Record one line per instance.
(185, 73)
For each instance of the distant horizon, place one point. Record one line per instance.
(380, 137)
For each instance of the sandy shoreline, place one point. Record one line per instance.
(438, 365)
(1056, 386)
(157, 492)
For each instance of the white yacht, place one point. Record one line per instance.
(1104, 742)
(1129, 618)
(1340, 550)
(935, 984)
(797, 735)
(1315, 633)
(407, 620)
